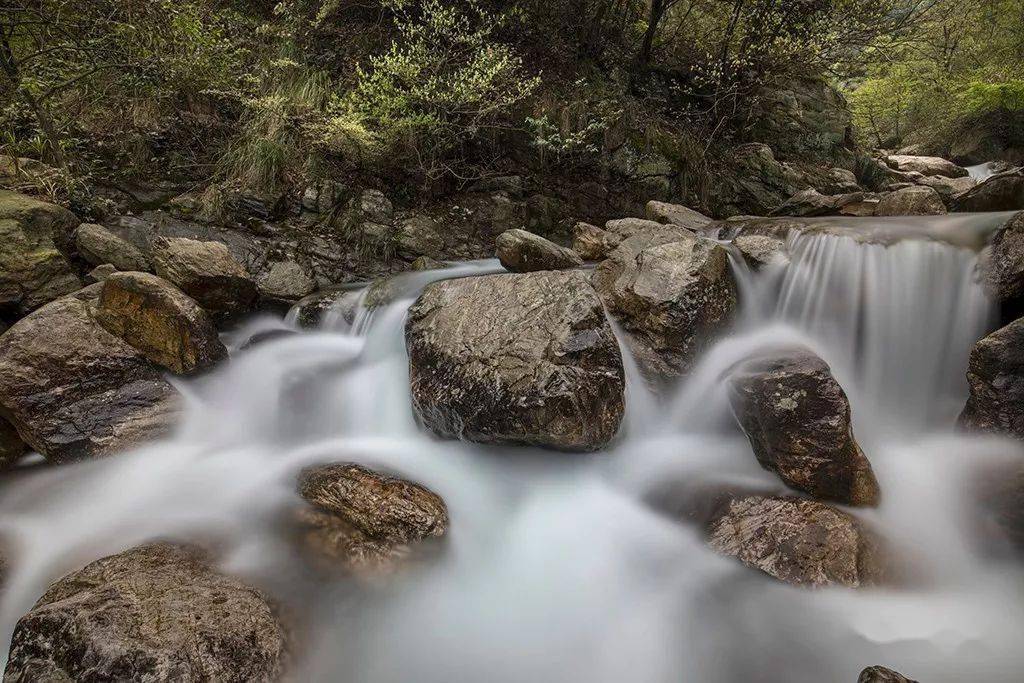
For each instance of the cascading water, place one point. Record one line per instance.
(557, 568)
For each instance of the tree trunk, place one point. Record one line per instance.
(43, 118)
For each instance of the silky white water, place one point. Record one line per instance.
(558, 568)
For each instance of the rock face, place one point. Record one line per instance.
(676, 214)
(673, 297)
(928, 166)
(798, 541)
(880, 674)
(206, 271)
(11, 445)
(524, 252)
(797, 418)
(367, 522)
(286, 281)
(589, 241)
(158, 612)
(159, 320)
(73, 389)
(33, 271)
(1003, 261)
(524, 359)
(98, 246)
(1002, 192)
(996, 378)
(916, 200)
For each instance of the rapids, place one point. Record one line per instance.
(557, 568)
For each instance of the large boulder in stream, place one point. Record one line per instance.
(916, 200)
(518, 358)
(364, 522)
(1002, 263)
(1001, 192)
(995, 375)
(158, 612)
(524, 252)
(98, 246)
(73, 389)
(927, 166)
(802, 542)
(33, 269)
(672, 291)
(207, 272)
(797, 418)
(676, 214)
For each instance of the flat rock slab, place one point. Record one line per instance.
(519, 358)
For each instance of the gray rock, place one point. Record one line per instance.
(98, 246)
(948, 188)
(676, 214)
(673, 297)
(880, 674)
(207, 272)
(524, 252)
(519, 358)
(995, 374)
(418, 236)
(1002, 263)
(285, 281)
(33, 269)
(159, 320)
(917, 200)
(802, 542)
(928, 166)
(589, 241)
(797, 418)
(100, 273)
(158, 612)
(1002, 192)
(427, 263)
(762, 250)
(74, 390)
(373, 206)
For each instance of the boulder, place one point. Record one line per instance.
(762, 250)
(285, 281)
(675, 214)
(754, 182)
(374, 206)
(880, 674)
(418, 236)
(995, 374)
(206, 271)
(867, 205)
(807, 202)
(948, 188)
(364, 521)
(99, 273)
(98, 246)
(159, 320)
(589, 241)
(518, 358)
(1002, 263)
(524, 252)
(797, 418)
(1001, 192)
(621, 229)
(73, 389)
(158, 612)
(673, 297)
(928, 166)
(33, 270)
(799, 541)
(12, 448)
(916, 200)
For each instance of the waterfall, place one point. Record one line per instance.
(558, 569)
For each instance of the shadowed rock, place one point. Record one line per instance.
(12, 448)
(589, 241)
(1002, 263)
(928, 166)
(524, 252)
(519, 358)
(158, 612)
(797, 418)
(206, 271)
(916, 200)
(676, 214)
(1001, 192)
(880, 674)
(98, 246)
(995, 375)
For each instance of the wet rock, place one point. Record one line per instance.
(589, 241)
(917, 200)
(524, 252)
(33, 270)
(159, 320)
(313, 310)
(676, 214)
(98, 246)
(158, 612)
(927, 166)
(74, 390)
(802, 542)
(673, 297)
(995, 375)
(206, 271)
(762, 250)
(518, 358)
(880, 674)
(12, 448)
(418, 236)
(285, 281)
(99, 273)
(797, 418)
(1002, 263)
(1002, 192)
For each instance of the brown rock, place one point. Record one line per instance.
(995, 374)
(524, 252)
(676, 214)
(916, 200)
(206, 271)
(589, 241)
(1001, 192)
(880, 674)
(159, 320)
(158, 612)
(797, 418)
(97, 246)
(1003, 262)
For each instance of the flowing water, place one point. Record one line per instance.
(557, 569)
